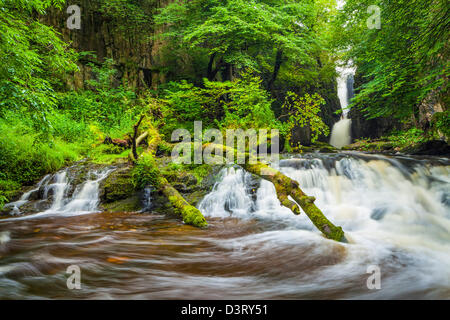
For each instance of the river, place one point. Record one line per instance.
(395, 211)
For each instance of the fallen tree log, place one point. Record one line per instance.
(286, 187)
(190, 214)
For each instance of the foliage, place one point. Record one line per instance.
(241, 103)
(304, 111)
(240, 34)
(112, 106)
(32, 59)
(402, 62)
(129, 17)
(410, 137)
(145, 172)
(25, 157)
(108, 154)
(441, 123)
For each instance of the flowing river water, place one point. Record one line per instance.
(395, 212)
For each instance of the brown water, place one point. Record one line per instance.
(396, 217)
(132, 255)
(140, 256)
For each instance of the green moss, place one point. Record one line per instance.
(131, 204)
(118, 186)
(108, 154)
(190, 214)
(165, 148)
(146, 172)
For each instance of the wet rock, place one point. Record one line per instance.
(432, 148)
(378, 213)
(130, 204)
(117, 186)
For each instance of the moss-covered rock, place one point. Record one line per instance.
(117, 186)
(130, 204)
(433, 147)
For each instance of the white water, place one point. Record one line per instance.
(147, 200)
(396, 217)
(24, 198)
(59, 188)
(84, 200)
(341, 134)
(229, 197)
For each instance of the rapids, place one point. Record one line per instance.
(395, 212)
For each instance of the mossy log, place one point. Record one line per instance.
(286, 187)
(187, 212)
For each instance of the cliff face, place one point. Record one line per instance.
(105, 33)
(369, 128)
(140, 58)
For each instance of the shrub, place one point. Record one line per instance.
(146, 173)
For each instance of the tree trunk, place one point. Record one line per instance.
(190, 214)
(187, 212)
(286, 187)
(213, 72)
(276, 69)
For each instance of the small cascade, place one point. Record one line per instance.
(230, 196)
(341, 132)
(59, 197)
(147, 199)
(24, 198)
(58, 188)
(86, 198)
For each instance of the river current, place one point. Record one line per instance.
(394, 210)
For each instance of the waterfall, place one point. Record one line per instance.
(55, 189)
(147, 199)
(86, 198)
(59, 188)
(340, 134)
(24, 198)
(229, 196)
(390, 208)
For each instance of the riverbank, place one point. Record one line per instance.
(387, 146)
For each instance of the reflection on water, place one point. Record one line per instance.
(395, 212)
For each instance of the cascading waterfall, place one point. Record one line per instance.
(229, 195)
(340, 134)
(147, 199)
(59, 188)
(395, 211)
(24, 198)
(84, 199)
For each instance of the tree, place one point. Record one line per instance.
(304, 111)
(32, 58)
(401, 63)
(238, 34)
